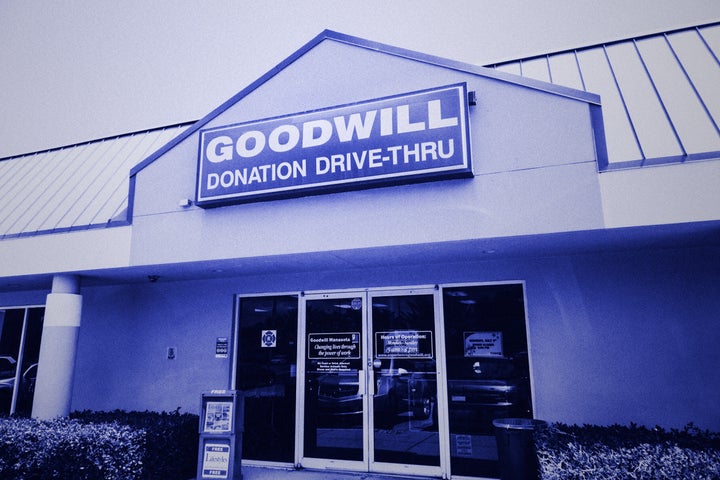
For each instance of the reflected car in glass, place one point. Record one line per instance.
(400, 394)
(481, 389)
(8, 367)
(26, 390)
(29, 376)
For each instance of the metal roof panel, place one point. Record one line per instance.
(77, 186)
(659, 93)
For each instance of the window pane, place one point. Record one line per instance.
(11, 323)
(487, 371)
(405, 380)
(266, 373)
(30, 356)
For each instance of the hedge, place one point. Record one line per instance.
(100, 446)
(149, 445)
(633, 452)
(171, 440)
(65, 448)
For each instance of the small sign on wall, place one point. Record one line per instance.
(221, 347)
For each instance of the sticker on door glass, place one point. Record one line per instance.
(483, 344)
(268, 338)
(404, 344)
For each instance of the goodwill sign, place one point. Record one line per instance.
(407, 137)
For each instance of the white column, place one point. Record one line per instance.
(53, 388)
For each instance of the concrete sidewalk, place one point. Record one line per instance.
(268, 473)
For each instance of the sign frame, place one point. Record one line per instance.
(403, 143)
(404, 344)
(336, 346)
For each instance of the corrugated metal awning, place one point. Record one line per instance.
(660, 103)
(660, 94)
(73, 187)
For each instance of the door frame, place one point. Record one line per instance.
(326, 463)
(439, 353)
(366, 379)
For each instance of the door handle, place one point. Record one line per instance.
(361, 382)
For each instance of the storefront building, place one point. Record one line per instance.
(385, 251)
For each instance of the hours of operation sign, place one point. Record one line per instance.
(404, 344)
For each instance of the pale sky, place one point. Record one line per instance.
(78, 70)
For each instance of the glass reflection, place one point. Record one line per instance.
(405, 380)
(333, 400)
(487, 370)
(266, 373)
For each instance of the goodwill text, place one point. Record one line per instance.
(398, 136)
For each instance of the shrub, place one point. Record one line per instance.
(65, 448)
(171, 440)
(100, 446)
(634, 452)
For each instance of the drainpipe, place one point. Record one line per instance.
(53, 387)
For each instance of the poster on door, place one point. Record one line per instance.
(404, 344)
(334, 351)
(483, 344)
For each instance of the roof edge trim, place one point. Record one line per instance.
(96, 140)
(230, 102)
(76, 228)
(465, 67)
(608, 43)
(376, 46)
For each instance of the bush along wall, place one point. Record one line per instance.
(65, 448)
(621, 452)
(171, 440)
(100, 446)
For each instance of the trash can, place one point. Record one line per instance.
(517, 456)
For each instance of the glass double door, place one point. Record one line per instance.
(370, 381)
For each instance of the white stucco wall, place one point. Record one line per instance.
(614, 338)
(96, 248)
(533, 158)
(661, 194)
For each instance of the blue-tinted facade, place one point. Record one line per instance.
(588, 289)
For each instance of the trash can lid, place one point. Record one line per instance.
(519, 423)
